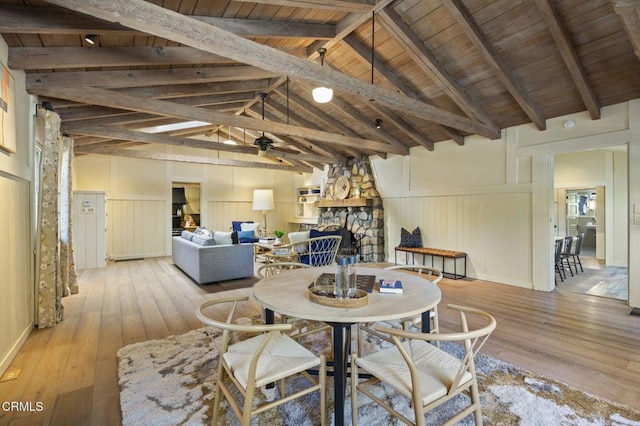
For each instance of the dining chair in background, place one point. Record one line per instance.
(566, 254)
(558, 259)
(575, 253)
(426, 374)
(249, 364)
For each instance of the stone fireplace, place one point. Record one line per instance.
(361, 212)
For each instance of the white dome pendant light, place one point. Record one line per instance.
(322, 95)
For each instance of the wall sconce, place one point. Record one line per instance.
(378, 123)
(322, 95)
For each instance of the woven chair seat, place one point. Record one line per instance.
(437, 369)
(281, 358)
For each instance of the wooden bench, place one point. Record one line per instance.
(444, 254)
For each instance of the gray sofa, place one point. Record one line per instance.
(206, 263)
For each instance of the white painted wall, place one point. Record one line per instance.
(16, 235)
(139, 197)
(495, 199)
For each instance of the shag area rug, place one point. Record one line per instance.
(171, 382)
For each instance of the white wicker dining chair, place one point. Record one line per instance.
(426, 374)
(433, 275)
(269, 357)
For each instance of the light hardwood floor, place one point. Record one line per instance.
(587, 342)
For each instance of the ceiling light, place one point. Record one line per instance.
(322, 95)
(568, 124)
(378, 123)
(92, 39)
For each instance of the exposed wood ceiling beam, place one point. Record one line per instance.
(186, 90)
(165, 23)
(422, 56)
(23, 58)
(362, 123)
(629, 12)
(327, 120)
(141, 78)
(170, 109)
(38, 20)
(317, 147)
(391, 77)
(390, 116)
(345, 27)
(334, 5)
(188, 159)
(570, 56)
(111, 133)
(462, 16)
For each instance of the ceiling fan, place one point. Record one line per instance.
(264, 142)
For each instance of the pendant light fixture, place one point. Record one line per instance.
(229, 141)
(322, 95)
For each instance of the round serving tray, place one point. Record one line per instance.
(323, 297)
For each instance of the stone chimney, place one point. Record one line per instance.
(361, 212)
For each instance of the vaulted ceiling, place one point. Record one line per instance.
(427, 71)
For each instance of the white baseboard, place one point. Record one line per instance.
(6, 360)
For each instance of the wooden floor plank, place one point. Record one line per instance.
(585, 341)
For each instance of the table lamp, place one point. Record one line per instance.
(263, 200)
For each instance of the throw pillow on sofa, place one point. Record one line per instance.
(246, 236)
(222, 238)
(203, 241)
(246, 226)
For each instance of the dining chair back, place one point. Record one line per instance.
(558, 259)
(251, 363)
(575, 253)
(566, 254)
(269, 269)
(426, 374)
(433, 275)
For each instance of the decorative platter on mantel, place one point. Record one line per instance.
(341, 187)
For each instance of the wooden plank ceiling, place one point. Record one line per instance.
(425, 71)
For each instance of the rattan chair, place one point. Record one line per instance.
(422, 372)
(269, 357)
(433, 275)
(318, 251)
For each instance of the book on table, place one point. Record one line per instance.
(390, 286)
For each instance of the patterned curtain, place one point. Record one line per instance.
(67, 266)
(56, 272)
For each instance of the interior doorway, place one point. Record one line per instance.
(590, 199)
(185, 206)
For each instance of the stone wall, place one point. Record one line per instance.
(366, 223)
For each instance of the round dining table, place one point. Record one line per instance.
(288, 293)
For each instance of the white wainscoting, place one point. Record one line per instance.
(137, 228)
(493, 229)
